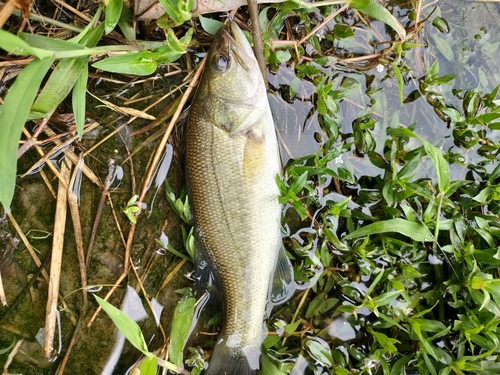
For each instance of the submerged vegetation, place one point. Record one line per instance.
(388, 113)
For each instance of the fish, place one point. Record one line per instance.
(232, 162)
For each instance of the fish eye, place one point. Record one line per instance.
(220, 63)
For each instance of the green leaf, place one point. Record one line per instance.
(181, 325)
(113, 13)
(14, 113)
(444, 47)
(17, 46)
(174, 48)
(440, 163)
(269, 368)
(428, 325)
(386, 298)
(320, 351)
(210, 25)
(78, 100)
(397, 367)
(51, 44)
(149, 366)
(7, 349)
(377, 11)
(138, 63)
(386, 342)
(399, 78)
(65, 75)
(178, 10)
(126, 325)
(416, 231)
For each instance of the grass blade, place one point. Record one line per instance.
(78, 100)
(181, 325)
(416, 231)
(17, 46)
(126, 325)
(113, 13)
(14, 114)
(65, 75)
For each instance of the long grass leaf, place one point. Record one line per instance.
(65, 75)
(51, 44)
(113, 12)
(416, 231)
(78, 100)
(14, 114)
(17, 46)
(181, 325)
(126, 325)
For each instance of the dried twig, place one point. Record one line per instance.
(73, 157)
(11, 356)
(106, 185)
(75, 216)
(3, 299)
(56, 260)
(258, 47)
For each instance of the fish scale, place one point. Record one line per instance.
(232, 164)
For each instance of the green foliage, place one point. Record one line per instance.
(14, 114)
(132, 208)
(182, 326)
(126, 325)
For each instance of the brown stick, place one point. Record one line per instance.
(73, 157)
(75, 216)
(3, 299)
(107, 182)
(56, 259)
(6, 11)
(258, 47)
(322, 24)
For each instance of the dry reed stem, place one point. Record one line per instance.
(77, 227)
(107, 182)
(3, 299)
(48, 184)
(170, 276)
(258, 47)
(301, 303)
(56, 259)
(161, 147)
(40, 151)
(52, 153)
(73, 10)
(15, 62)
(73, 157)
(26, 243)
(6, 11)
(11, 356)
(322, 24)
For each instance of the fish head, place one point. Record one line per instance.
(232, 87)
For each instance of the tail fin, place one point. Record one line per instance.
(226, 361)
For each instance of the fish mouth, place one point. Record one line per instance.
(237, 43)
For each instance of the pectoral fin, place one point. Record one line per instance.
(283, 285)
(206, 281)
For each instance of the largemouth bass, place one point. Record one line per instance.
(232, 164)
